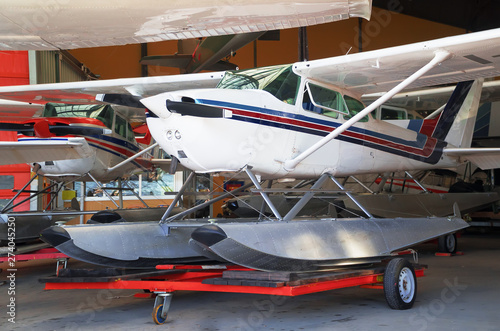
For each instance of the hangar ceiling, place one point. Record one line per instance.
(471, 15)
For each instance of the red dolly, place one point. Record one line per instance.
(397, 277)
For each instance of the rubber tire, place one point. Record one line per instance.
(157, 315)
(447, 243)
(400, 272)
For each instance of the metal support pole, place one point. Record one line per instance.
(351, 197)
(83, 194)
(417, 182)
(135, 194)
(362, 185)
(392, 181)
(120, 193)
(305, 199)
(203, 205)
(103, 190)
(263, 206)
(177, 197)
(383, 180)
(54, 196)
(130, 159)
(264, 195)
(44, 191)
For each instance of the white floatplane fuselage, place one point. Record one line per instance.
(270, 115)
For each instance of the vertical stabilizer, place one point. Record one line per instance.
(456, 122)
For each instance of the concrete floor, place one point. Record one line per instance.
(458, 293)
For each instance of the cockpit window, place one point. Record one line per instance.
(324, 101)
(280, 81)
(354, 106)
(123, 128)
(104, 113)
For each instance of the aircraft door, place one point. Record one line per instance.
(359, 153)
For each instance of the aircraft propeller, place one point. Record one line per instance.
(43, 129)
(194, 109)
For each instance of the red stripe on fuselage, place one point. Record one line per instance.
(426, 151)
(428, 126)
(281, 119)
(122, 151)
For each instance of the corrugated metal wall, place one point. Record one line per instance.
(59, 66)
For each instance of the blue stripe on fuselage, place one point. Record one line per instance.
(418, 143)
(117, 141)
(415, 125)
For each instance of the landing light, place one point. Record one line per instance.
(177, 134)
(169, 135)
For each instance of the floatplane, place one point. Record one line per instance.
(25, 26)
(298, 121)
(64, 143)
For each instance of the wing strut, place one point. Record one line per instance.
(439, 57)
(103, 190)
(130, 159)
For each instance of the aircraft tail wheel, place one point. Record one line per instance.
(400, 284)
(447, 243)
(158, 317)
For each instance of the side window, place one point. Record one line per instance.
(354, 106)
(392, 113)
(130, 133)
(121, 126)
(322, 100)
(285, 87)
(105, 116)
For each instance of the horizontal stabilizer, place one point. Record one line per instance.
(35, 150)
(484, 158)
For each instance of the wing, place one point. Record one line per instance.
(433, 98)
(447, 60)
(29, 151)
(472, 56)
(19, 109)
(37, 25)
(86, 92)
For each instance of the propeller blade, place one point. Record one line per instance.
(43, 129)
(16, 127)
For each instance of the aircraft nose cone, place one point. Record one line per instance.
(208, 235)
(157, 103)
(55, 236)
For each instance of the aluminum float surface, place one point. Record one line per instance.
(312, 244)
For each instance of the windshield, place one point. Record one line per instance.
(280, 81)
(104, 113)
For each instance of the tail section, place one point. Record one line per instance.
(455, 124)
